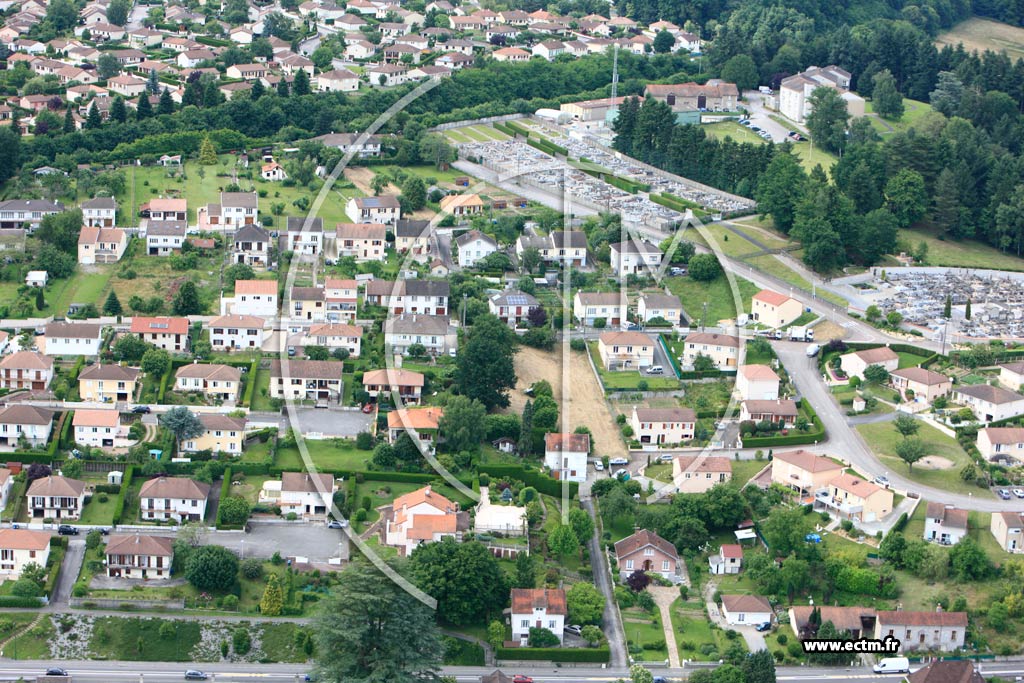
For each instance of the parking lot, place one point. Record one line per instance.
(313, 540)
(330, 423)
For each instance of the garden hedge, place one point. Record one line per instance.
(553, 654)
(225, 491)
(538, 480)
(126, 483)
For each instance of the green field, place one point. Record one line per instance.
(914, 113)
(81, 287)
(717, 294)
(643, 628)
(977, 35)
(882, 437)
(964, 254)
(327, 454)
(100, 513)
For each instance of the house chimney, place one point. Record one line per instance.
(938, 608)
(426, 492)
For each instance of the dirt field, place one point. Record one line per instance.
(826, 331)
(360, 176)
(984, 34)
(585, 403)
(935, 462)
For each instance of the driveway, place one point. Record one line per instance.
(755, 641)
(603, 580)
(331, 422)
(69, 569)
(313, 540)
(664, 596)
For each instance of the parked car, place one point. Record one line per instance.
(56, 671)
(574, 629)
(337, 523)
(763, 626)
(1019, 493)
(67, 530)
(676, 270)
(1004, 494)
(194, 675)
(665, 457)
(599, 466)
(655, 370)
(621, 473)
(882, 481)
(142, 410)
(619, 461)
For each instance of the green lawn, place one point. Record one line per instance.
(963, 254)
(731, 129)
(96, 512)
(882, 437)
(743, 470)
(455, 136)
(728, 241)
(913, 113)
(327, 454)
(154, 276)
(695, 635)
(644, 628)
(81, 287)
(261, 400)
(910, 360)
(812, 155)
(718, 295)
(32, 643)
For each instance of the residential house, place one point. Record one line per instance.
(420, 423)
(988, 403)
(408, 385)
(107, 383)
(779, 412)
(512, 306)
(434, 332)
(231, 332)
(249, 72)
(625, 350)
(21, 547)
(922, 384)
(221, 434)
(101, 245)
(938, 631)
(728, 560)
(773, 309)
(99, 428)
(56, 497)
(473, 245)
(252, 298)
(300, 493)
(37, 278)
(635, 258)
(722, 349)
(548, 49)
(949, 671)
(422, 516)
(234, 210)
(700, 473)
(362, 146)
(590, 307)
(803, 471)
(715, 95)
(25, 425)
(429, 297)
(668, 307)
(73, 339)
(165, 237)
(461, 205)
(100, 212)
(158, 210)
(387, 75)
(1008, 530)
(273, 172)
(850, 497)
(173, 498)
(565, 455)
(6, 484)
(511, 54)
(335, 336)
(128, 87)
(537, 608)
(252, 246)
(383, 209)
(944, 524)
(217, 381)
(1011, 375)
(1001, 443)
(856, 362)
(138, 556)
(859, 622)
(304, 236)
(663, 425)
(317, 380)
(26, 370)
(362, 241)
(341, 297)
(169, 334)
(413, 237)
(757, 382)
(646, 551)
(746, 610)
(26, 213)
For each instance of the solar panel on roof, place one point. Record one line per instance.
(517, 300)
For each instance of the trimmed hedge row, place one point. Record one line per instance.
(547, 146)
(630, 186)
(126, 483)
(554, 654)
(225, 491)
(816, 433)
(250, 384)
(538, 480)
(15, 601)
(516, 129)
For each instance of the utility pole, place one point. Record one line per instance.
(704, 317)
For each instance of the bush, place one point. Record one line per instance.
(782, 638)
(364, 441)
(230, 602)
(252, 568)
(241, 641)
(554, 654)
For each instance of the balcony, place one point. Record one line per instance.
(829, 502)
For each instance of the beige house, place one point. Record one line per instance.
(26, 370)
(407, 384)
(362, 241)
(221, 382)
(663, 425)
(699, 473)
(926, 385)
(608, 306)
(665, 306)
(854, 363)
(1011, 375)
(138, 556)
(1008, 530)
(101, 245)
(804, 471)
(722, 349)
(625, 350)
(176, 498)
(648, 552)
(1002, 443)
(107, 383)
(56, 497)
(988, 403)
(936, 631)
(419, 423)
(335, 336)
(315, 380)
(779, 411)
(221, 434)
(20, 547)
(773, 309)
(850, 497)
(757, 382)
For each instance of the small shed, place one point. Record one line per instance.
(37, 278)
(115, 477)
(859, 404)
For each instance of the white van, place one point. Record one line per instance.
(655, 370)
(812, 350)
(892, 665)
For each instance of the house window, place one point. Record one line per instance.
(648, 551)
(525, 623)
(551, 624)
(665, 566)
(629, 564)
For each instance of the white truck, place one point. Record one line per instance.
(801, 334)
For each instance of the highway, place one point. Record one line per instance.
(138, 672)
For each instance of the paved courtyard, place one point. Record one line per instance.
(331, 422)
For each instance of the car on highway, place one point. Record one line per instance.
(763, 626)
(521, 678)
(1004, 494)
(56, 671)
(1018, 492)
(574, 629)
(141, 410)
(195, 675)
(67, 530)
(619, 461)
(337, 523)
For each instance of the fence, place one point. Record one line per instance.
(126, 604)
(477, 122)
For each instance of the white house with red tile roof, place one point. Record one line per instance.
(745, 610)
(728, 560)
(422, 516)
(99, 428)
(855, 363)
(538, 608)
(663, 425)
(757, 382)
(252, 297)
(169, 334)
(565, 455)
(20, 547)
